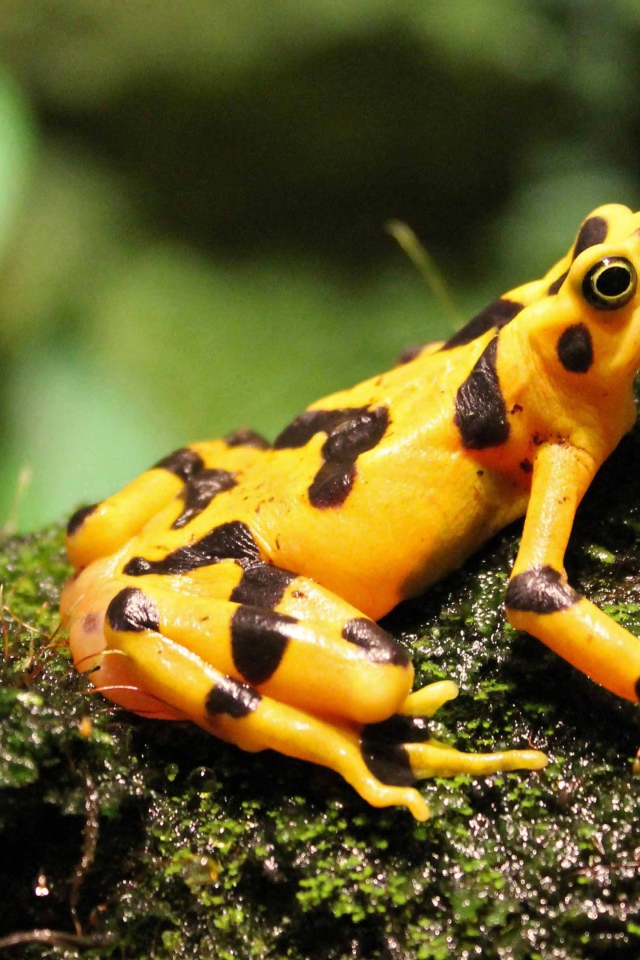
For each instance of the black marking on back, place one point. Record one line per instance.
(200, 490)
(594, 230)
(259, 639)
(388, 762)
(78, 518)
(496, 314)
(131, 611)
(354, 436)
(575, 348)
(229, 541)
(262, 585)
(380, 647)
(398, 728)
(247, 438)
(233, 698)
(184, 463)
(481, 413)
(557, 283)
(409, 353)
(540, 590)
(305, 426)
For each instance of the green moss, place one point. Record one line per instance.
(204, 851)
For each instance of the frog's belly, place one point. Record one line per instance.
(380, 548)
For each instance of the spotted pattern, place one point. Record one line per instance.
(247, 438)
(379, 646)
(594, 230)
(481, 413)
(230, 697)
(388, 762)
(540, 591)
(334, 480)
(200, 490)
(131, 611)
(496, 314)
(229, 541)
(575, 348)
(259, 639)
(78, 518)
(262, 585)
(183, 463)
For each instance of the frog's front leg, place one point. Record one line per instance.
(539, 598)
(332, 691)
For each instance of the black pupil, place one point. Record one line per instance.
(613, 282)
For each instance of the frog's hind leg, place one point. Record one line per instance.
(237, 712)
(190, 475)
(297, 686)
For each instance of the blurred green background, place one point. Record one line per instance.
(193, 196)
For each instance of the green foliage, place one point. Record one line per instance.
(202, 245)
(205, 851)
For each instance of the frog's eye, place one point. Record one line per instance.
(610, 283)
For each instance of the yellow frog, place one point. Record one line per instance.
(238, 584)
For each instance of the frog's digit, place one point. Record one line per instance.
(239, 585)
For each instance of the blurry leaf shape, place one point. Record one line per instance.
(16, 147)
(217, 347)
(80, 436)
(75, 224)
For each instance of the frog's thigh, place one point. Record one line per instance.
(350, 669)
(102, 528)
(235, 711)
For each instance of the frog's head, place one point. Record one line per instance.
(584, 317)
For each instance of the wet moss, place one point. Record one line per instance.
(204, 851)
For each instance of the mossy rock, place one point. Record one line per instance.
(203, 851)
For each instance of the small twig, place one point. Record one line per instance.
(90, 833)
(408, 241)
(53, 938)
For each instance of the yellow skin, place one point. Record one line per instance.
(237, 585)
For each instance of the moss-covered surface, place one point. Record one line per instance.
(206, 852)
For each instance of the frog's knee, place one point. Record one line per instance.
(540, 590)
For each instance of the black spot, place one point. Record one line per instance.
(229, 541)
(496, 314)
(183, 463)
(378, 644)
(235, 699)
(409, 354)
(526, 466)
(539, 591)
(131, 611)
(398, 729)
(200, 490)
(592, 231)
(247, 438)
(638, 688)
(77, 519)
(331, 485)
(575, 348)
(259, 639)
(557, 283)
(350, 432)
(481, 413)
(262, 585)
(388, 762)
(300, 431)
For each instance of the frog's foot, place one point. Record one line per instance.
(190, 688)
(404, 742)
(188, 477)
